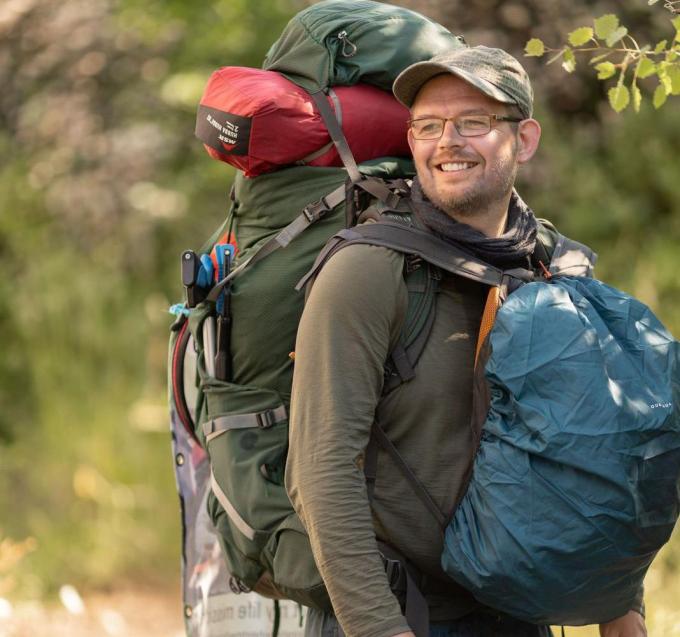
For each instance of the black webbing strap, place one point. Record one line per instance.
(416, 331)
(310, 214)
(410, 240)
(373, 186)
(371, 466)
(412, 354)
(430, 248)
(381, 438)
(402, 364)
(277, 619)
(401, 581)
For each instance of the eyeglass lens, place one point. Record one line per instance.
(467, 126)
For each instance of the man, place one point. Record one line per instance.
(470, 130)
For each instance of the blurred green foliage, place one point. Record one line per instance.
(103, 185)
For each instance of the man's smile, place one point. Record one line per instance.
(457, 166)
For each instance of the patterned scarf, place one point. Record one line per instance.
(509, 250)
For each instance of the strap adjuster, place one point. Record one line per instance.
(266, 419)
(314, 211)
(393, 572)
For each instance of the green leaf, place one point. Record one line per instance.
(637, 97)
(569, 61)
(534, 48)
(606, 25)
(605, 70)
(674, 77)
(676, 23)
(660, 46)
(616, 35)
(665, 78)
(619, 97)
(659, 96)
(581, 36)
(645, 67)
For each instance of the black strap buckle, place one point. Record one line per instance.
(393, 572)
(314, 211)
(412, 262)
(266, 419)
(237, 586)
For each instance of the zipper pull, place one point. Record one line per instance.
(348, 53)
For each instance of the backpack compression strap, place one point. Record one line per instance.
(309, 215)
(373, 186)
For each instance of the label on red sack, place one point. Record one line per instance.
(225, 132)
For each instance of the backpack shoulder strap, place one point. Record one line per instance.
(422, 283)
(561, 254)
(410, 240)
(572, 258)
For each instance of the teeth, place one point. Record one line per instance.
(454, 166)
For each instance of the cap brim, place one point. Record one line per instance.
(412, 79)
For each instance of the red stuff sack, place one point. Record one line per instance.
(259, 121)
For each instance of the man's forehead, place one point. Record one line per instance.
(446, 90)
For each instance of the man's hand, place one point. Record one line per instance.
(632, 624)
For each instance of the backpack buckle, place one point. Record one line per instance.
(413, 262)
(393, 572)
(314, 211)
(266, 419)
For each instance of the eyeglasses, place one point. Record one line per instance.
(427, 128)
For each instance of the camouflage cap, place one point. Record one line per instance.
(493, 71)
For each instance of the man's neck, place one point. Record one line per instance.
(491, 222)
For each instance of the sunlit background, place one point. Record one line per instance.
(102, 185)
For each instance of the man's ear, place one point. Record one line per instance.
(410, 139)
(528, 135)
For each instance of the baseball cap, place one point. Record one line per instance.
(493, 71)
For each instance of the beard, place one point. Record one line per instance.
(479, 196)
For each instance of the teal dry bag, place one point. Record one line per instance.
(576, 483)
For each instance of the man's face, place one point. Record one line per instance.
(464, 176)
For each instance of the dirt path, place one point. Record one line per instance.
(121, 613)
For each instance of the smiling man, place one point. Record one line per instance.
(470, 129)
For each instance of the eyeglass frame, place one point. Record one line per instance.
(491, 116)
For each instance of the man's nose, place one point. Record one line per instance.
(451, 136)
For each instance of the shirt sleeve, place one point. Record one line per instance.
(352, 318)
(639, 603)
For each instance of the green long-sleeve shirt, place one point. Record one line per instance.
(352, 320)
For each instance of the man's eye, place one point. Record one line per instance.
(428, 127)
(473, 123)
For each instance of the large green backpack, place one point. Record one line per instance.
(242, 422)
(230, 436)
